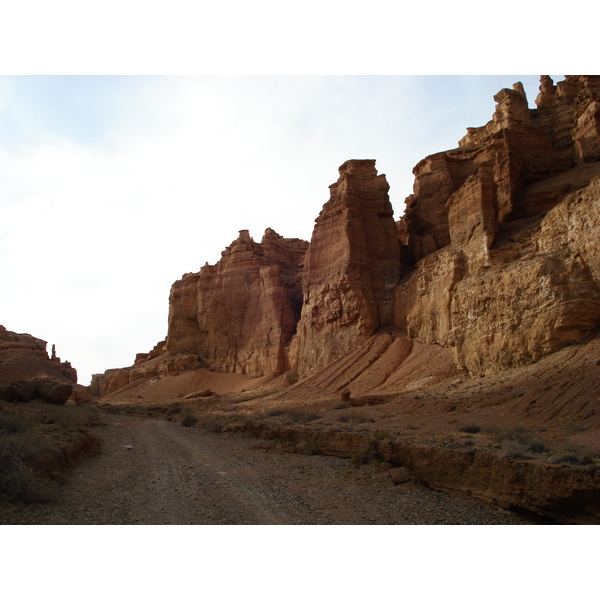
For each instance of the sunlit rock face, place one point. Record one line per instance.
(496, 261)
(518, 147)
(352, 268)
(239, 315)
(503, 232)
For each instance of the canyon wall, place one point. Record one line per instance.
(496, 258)
(351, 270)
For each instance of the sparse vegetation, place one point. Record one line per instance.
(572, 455)
(213, 423)
(355, 416)
(18, 481)
(302, 416)
(29, 440)
(188, 418)
(276, 412)
(470, 428)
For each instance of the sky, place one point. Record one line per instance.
(113, 187)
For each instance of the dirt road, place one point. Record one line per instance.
(157, 472)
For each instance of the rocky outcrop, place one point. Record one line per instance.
(28, 373)
(518, 147)
(24, 357)
(351, 268)
(503, 231)
(239, 315)
(48, 389)
(495, 263)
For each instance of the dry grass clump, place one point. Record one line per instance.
(21, 445)
(518, 443)
(471, 428)
(572, 455)
(355, 416)
(301, 415)
(188, 418)
(32, 439)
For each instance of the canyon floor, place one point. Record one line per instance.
(154, 471)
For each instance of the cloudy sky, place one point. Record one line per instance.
(137, 139)
(112, 187)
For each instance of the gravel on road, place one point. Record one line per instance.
(153, 471)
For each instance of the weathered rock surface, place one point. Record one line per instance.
(495, 263)
(239, 315)
(504, 233)
(48, 389)
(24, 358)
(351, 268)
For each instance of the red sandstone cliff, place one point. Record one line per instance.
(27, 372)
(499, 255)
(351, 268)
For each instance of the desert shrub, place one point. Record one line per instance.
(276, 412)
(470, 428)
(355, 417)
(302, 416)
(515, 450)
(572, 455)
(74, 418)
(519, 443)
(188, 418)
(17, 479)
(537, 448)
(212, 423)
(518, 433)
(14, 423)
(341, 405)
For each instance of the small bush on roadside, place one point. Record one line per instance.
(188, 418)
(572, 455)
(470, 428)
(302, 416)
(17, 479)
(355, 417)
(276, 412)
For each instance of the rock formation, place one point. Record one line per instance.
(488, 280)
(23, 356)
(239, 315)
(351, 268)
(27, 372)
(495, 261)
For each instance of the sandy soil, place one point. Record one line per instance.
(153, 471)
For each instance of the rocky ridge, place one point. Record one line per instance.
(494, 264)
(27, 372)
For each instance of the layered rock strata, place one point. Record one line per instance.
(28, 373)
(503, 233)
(239, 315)
(23, 356)
(496, 260)
(352, 268)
